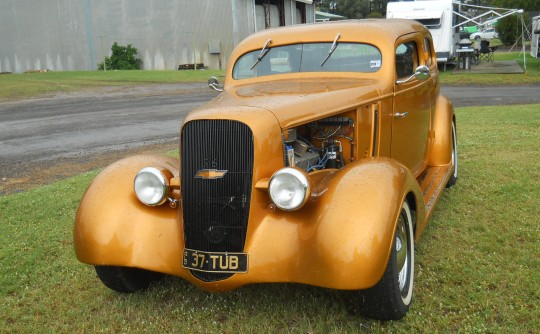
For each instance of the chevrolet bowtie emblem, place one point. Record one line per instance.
(210, 174)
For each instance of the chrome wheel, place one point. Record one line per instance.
(404, 242)
(454, 151)
(454, 176)
(401, 252)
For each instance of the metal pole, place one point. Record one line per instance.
(523, 43)
(102, 36)
(103, 54)
(234, 23)
(193, 47)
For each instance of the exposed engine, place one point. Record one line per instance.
(319, 145)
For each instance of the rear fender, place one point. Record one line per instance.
(113, 227)
(440, 151)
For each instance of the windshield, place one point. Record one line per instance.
(346, 57)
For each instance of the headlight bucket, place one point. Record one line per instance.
(289, 188)
(151, 186)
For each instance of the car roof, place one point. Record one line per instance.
(371, 31)
(382, 33)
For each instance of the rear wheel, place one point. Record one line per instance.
(125, 279)
(454, 176)
(391, 297)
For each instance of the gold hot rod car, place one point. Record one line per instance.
(319, 163)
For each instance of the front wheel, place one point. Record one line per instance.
(125, 279)
(391, 297)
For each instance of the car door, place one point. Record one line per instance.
(412, 107)
(430, 60)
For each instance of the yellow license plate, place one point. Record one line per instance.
(216, 262)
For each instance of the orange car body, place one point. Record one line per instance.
(395, 145)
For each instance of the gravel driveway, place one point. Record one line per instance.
(47, 139)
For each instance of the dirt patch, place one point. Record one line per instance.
(24, 176)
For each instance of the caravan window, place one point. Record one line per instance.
(434, 23)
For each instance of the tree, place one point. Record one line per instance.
(526, 5)
(509, 28)
(122, 58)
(327, 6)
(353, 9)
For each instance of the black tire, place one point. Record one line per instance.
(125, 279)
(454, 176)
(391, 297)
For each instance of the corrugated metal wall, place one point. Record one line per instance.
(76, 34)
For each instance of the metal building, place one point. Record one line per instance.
(71, 35)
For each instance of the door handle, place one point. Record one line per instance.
(401, 115)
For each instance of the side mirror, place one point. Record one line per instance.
(421, 73)
(213, 83)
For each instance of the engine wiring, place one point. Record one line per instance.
(319, 147)
(320, 165)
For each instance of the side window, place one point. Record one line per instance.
(406, 59)
(428, 55)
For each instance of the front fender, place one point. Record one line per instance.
(113, 227)
(358, 222)
(341, 239)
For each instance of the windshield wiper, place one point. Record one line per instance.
(332, 48)
(261, 55)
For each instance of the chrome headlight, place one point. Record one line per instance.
(151, 186)
(289, 189)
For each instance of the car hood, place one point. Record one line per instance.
(297, 102)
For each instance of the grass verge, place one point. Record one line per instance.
(17, 86)
(531, 76)
(477, 263)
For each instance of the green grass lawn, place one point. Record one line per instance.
(17, 86)
(477, 263)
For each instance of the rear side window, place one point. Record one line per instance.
(406, 59)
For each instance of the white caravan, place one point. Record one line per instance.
(437, 16)
(535, 39)
(444, 18)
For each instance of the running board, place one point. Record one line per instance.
(432, 182)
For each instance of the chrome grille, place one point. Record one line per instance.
(216, 208)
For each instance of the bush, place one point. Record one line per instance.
(122, 58)
(375, 15)
(510, 30)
